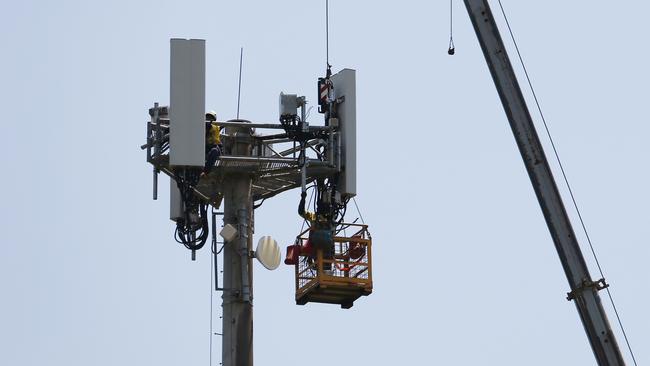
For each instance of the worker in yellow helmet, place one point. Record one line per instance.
(212, 142)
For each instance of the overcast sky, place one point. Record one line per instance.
(465, 272)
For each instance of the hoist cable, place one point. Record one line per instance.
(451, 49)
(451, 18)
(566, 180)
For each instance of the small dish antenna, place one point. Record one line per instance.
(229, 232)
(268, 252)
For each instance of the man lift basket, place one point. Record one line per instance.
(350, 267)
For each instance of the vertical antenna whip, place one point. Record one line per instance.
(241, 57)
(327, 33)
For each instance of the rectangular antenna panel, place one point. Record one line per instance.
(345, 87)
(187, 103)
(175, 201)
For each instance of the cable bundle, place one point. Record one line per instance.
(192, 230)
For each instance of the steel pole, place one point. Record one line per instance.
(237, 345)
(584, 291)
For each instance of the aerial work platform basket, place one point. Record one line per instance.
(350, 273)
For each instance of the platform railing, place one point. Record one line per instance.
(351, 264)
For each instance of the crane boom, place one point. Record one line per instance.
(584, 291)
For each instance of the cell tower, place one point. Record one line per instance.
(212, 162)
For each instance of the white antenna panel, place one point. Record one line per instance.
(345, 87)
(187, 103)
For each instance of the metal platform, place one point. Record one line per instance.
(272, 175)
(332, 290)
(273, 172)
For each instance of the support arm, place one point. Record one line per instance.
(583, 289)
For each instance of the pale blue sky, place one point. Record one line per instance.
(465, 270)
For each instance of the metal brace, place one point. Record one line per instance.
(224, 289)
(598, 285)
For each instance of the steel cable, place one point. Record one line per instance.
(451, 49)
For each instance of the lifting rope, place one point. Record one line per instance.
(566, 180)
(451, 49)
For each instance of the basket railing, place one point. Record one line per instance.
(350, 264)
